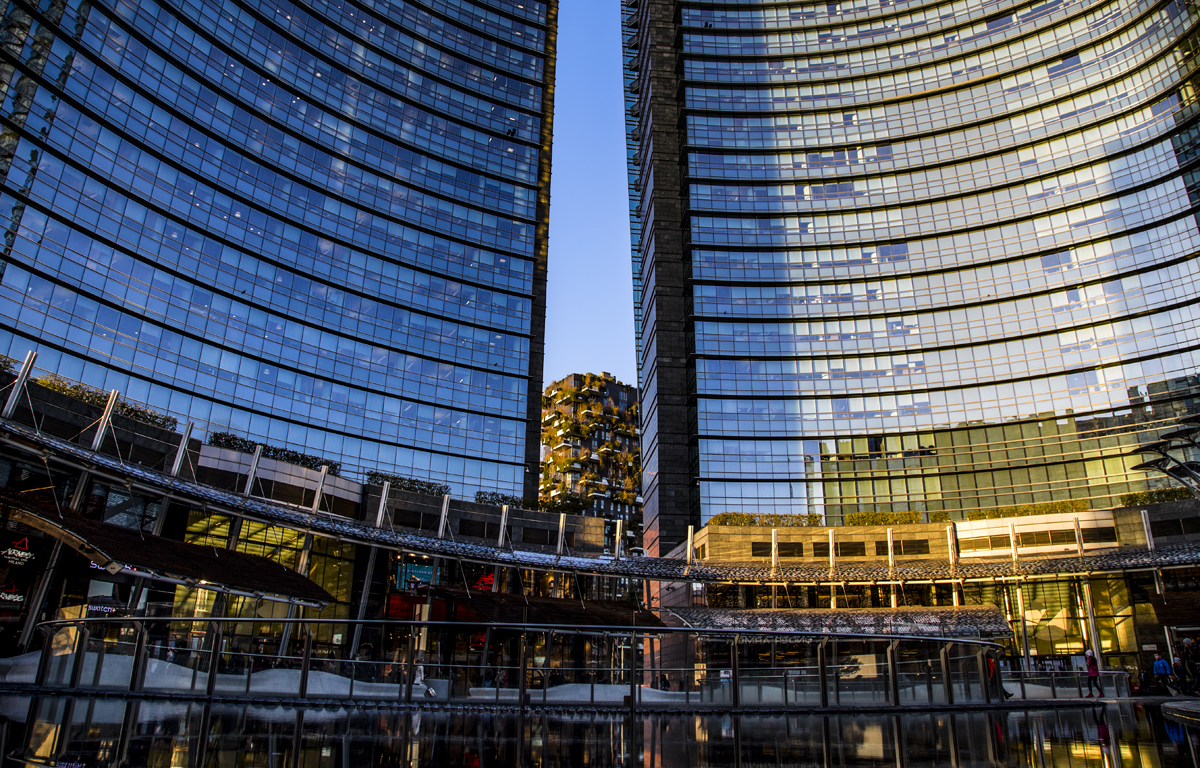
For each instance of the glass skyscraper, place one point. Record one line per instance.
(319, 225)
(909, 256)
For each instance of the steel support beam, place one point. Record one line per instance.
(14, 395)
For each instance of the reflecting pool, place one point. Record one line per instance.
(94, 732)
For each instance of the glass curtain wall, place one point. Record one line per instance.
(938, 255)
(318, 225)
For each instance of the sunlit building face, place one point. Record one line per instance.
(317, 225)
(893, 256)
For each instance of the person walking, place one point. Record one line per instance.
(1189, 656)
(1183, 682)
(1162, 672)
(993, 673)
(1093, 674)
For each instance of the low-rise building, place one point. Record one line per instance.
(1119, 581)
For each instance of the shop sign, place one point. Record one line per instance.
(19, 565)
(414, 574)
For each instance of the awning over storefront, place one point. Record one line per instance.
(974, 621)
(128, 551)
(502, 608)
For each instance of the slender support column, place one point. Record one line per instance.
(500, 539)
(128, 728)
(832, 567)
(14, 395)
(947, 679)
(81, 488)
(893, 673)
(1146, 528)
(891, 545)
(410, 657)
(105, 420)
(952, 732)
(39, 595)
(444, 521)
(1012, 542)
(562, 533)
(380, 514)
(140, 656)
(97, 442)
(483, 659)
(214, 657)
(503, 527)
(774, 552)
(736, 698)
(954, 591)
(691, 547)
(258, 449)
(620, 536)
(523, 680)
(981, 664)
(633, 670)
(181, 451)
(302, 569)
(1024, 627)
(306, 661)
(82, 636)
(1078, 538)
(1093, 632)
(316, 505)
(823, 673)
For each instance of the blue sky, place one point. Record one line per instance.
(589, 312)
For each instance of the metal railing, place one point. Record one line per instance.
(446, 661)
(1063, 684)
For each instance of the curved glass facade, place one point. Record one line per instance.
(940, 256)
(320, 226)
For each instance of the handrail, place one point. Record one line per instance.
(99, 652)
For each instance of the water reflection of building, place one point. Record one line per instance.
(228, 735)
(896, 258)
